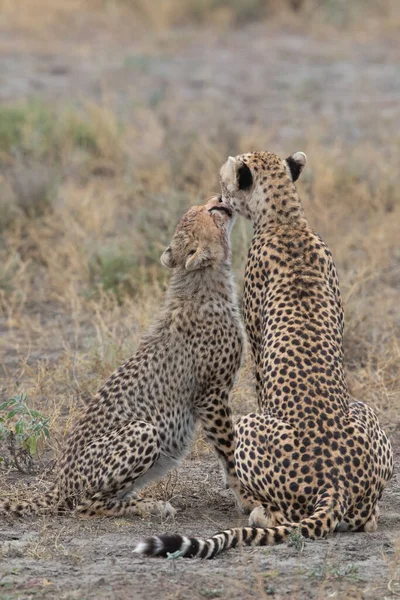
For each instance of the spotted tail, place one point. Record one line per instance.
(318, 525)
(44, 503)
(163, 545)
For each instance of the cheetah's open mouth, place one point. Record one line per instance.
(224, 208)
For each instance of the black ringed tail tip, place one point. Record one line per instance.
(181, 546)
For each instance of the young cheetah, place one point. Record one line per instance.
(142, 421)
(315, 461)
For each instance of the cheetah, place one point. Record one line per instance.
(141, 422)
(315, 461)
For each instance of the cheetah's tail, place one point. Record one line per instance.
(318, 525)
(39, 504)
(163, 545)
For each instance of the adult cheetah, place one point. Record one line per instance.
(141, 422)
(315, 461)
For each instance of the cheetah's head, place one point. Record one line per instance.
(201, 239)
(250, 181)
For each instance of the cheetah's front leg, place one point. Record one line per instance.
(216, 418)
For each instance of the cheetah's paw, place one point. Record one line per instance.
(164, 509)
(259, 518)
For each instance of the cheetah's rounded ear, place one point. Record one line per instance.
(167, 260)
(236, 175)
(197, 260)
(228, 174)
(296, 163)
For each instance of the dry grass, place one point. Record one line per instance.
(84, 221)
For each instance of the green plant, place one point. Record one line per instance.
(28, 128)
(36, 131)
(8, 271)
(212, 592)
(11, 123)
(82, 133)
(22, 430)
(296, 540)
(118, 271)
(112, 270)
(335, 571)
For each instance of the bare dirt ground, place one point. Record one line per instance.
(64, 558)
(259, 76)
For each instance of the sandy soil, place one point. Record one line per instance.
(67, 558)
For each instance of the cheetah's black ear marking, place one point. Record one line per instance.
(245, 178)
(296, 163)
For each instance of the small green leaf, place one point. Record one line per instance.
(14, 412)
(19, 428)
(35, 414)
(7, 404)
(31, 444)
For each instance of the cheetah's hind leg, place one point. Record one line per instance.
(356, 521)
(116, 462)
(262, 517)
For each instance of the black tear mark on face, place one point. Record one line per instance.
(245, 178)
(295, 167)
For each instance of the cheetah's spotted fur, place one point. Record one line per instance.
(141, 422)
(314, 460)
